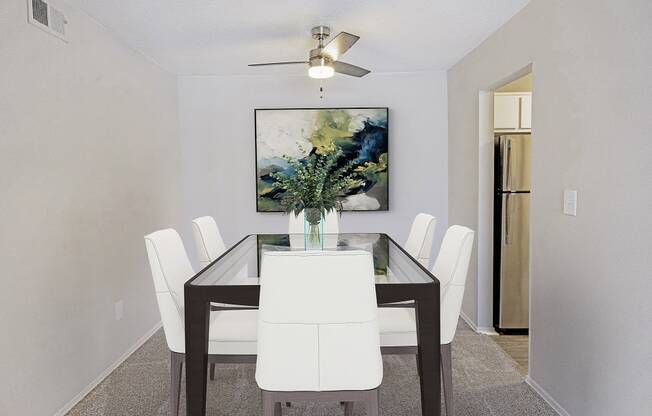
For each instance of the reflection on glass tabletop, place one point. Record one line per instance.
(241, 263)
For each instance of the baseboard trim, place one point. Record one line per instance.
(546, 396)
(468, 321)
(486, 330)
(68, 406)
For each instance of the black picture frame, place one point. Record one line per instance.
(256, 110)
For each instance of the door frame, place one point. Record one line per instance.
(484, 323)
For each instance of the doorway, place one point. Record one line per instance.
(512, 188)
(503, 232)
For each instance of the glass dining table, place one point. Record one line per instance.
(233, 279)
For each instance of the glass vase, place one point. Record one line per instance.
(313, 229)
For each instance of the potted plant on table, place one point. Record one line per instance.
(313, 185)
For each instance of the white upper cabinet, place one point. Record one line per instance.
(526, 111)
(512, 111)
(506, 112)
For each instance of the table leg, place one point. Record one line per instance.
(197, 319)
(427, 314)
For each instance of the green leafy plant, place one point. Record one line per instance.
(314, 184)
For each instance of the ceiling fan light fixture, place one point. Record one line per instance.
(321, 71)
(323, 61)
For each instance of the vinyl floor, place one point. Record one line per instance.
(516, 346)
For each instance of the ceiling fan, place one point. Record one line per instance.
(323, 61)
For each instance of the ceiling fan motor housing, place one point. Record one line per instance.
(315, 57)
(320, 61)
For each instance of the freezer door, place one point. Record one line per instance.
(515, 261)
(515, 152)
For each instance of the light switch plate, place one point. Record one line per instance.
(570, 202)
(119, 310)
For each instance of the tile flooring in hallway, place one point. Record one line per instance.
(486, 382)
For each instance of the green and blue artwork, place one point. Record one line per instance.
(359, 134)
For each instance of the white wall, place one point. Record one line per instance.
(217, 135)
(88, 165)
(591, 275)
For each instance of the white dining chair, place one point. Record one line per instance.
(398, 325)
(210, 246)
(232, 334)
(420, 239)
(318, 336)
(331, 223)
(208, 240)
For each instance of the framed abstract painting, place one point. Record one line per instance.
(360, 133)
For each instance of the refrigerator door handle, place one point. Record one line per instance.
(508, 237)
(508, 162)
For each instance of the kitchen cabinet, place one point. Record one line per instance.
(526, 111)
(513, 112)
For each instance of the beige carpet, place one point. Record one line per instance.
(486, 382)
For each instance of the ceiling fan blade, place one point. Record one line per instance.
(279, 63)
(348, 69)
(339, 44)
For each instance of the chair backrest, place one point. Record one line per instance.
(331, 223)
(451, 268)
(422, 234)
(314, 306)
(317, 287)
(208, 240)
(170, 270)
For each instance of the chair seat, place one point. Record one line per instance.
(233, 332)
(397, 327)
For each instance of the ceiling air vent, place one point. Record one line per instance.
(42, 15)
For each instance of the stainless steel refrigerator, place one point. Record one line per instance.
(512, 232)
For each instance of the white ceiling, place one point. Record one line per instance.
(219, 37)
